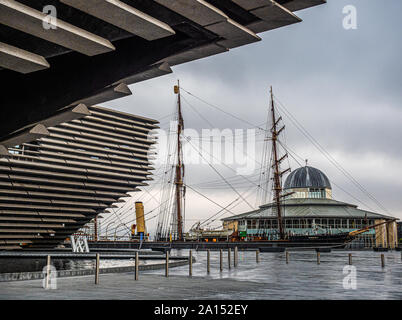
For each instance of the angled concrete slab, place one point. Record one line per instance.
(68, 114)
(31, 21)
(196, 53)
(252, 4)
(111, 93)
(234, 33)
(124, 16)
(3, 151)
(20, 60)
(157, 70)
(295, 5)
(198, 11)
(273, 16)
(27, 135)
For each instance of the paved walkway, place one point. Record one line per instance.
(123, 286)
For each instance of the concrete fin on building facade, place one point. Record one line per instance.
(124, 16)
(35, 132)
(196, 53)
(26, 19)
(20, 60)
(156, 70)
(271, 13)
(295, 5)
(113, 92)
(199, 11)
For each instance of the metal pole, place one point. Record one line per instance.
(382, 260)
(167, 265)
(48, 272)
(236, 256)
(350, 259)
(137, 262)
(229, 258)
(208, 261)
(287, 257)
(190, 263)
(221, 259)
(97, 268)
(318, 258)
(257, 256)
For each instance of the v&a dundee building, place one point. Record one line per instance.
(310, 209)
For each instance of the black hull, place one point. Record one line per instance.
(312, 241)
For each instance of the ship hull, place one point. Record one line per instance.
(311, 241)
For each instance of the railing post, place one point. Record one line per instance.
(229, 258)
(350, 259)
(382, 260)
(208, 261)
(97, 262)
(47, 272)
(257, 256)
(167, 264)
(190, 261)
(137, 260)
(318, 258)
(287, 256)
(236, 256)
(221, 260)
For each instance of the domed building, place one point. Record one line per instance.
(308, 208)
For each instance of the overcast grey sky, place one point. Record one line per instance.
(344, 86)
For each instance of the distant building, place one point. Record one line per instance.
(310, 209)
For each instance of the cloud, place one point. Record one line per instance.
(343, 86)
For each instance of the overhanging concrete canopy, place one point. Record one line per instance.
(101, 43)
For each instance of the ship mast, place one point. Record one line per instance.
(277, 187)
(179, 167)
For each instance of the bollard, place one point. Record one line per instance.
(190, 263)
(97, 262)
(350, 259)
(257, 256)
(229, 258)
(382, 260)
(236, 256)
(318, 258)
(221, 260)
(287, 257)
(167, 265)
(208, 261)
(47, 272)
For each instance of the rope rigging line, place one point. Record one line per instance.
(223, 178)
(327, 155)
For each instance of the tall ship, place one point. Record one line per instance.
(172, 214)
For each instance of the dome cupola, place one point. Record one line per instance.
(308, 182)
